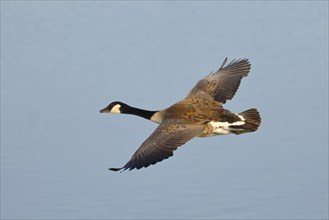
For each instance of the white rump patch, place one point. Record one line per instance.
(116, 109)
(221, 128)
(241, 117)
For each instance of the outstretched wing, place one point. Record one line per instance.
(223, 84)
(169, 135)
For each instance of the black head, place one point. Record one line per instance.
(115, 107)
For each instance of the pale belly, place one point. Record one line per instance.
(221, 128)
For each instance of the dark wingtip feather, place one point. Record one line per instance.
(223, 64)
(240, 66)
(115, 169)
(236, 64)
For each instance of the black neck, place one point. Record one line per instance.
(139, 112)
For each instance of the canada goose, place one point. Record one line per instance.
(199, 114)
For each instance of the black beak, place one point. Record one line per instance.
(104, 110)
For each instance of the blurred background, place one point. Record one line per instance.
(61, 62)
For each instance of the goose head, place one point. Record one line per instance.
(116, 108)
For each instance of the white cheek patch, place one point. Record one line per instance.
(116, 109)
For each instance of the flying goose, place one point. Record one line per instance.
(199, 114)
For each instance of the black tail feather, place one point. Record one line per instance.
(252, 121)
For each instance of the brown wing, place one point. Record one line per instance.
(223, 84)
(169, 135)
